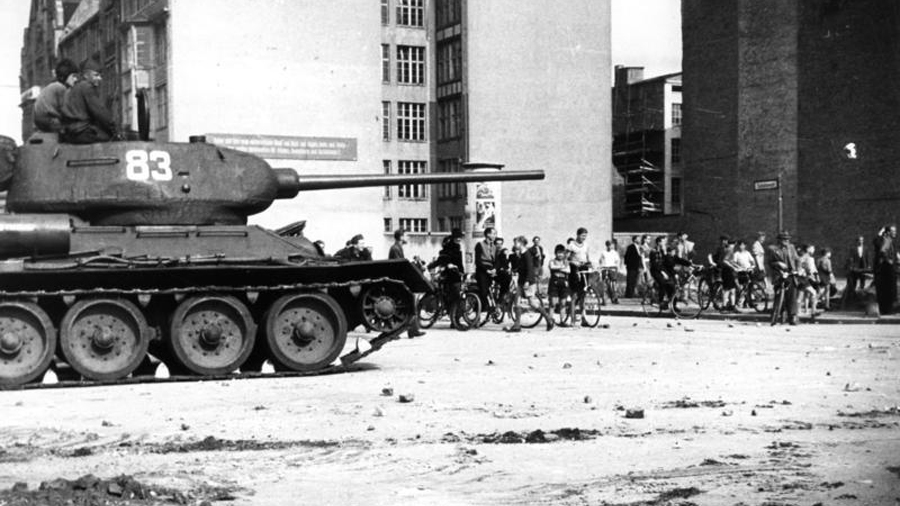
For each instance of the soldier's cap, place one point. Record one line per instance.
(90, 65)
(456, 233)
(356, 238)
(783, 235)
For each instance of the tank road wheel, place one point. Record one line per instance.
(27, 342)
(386, 307)
(212, 334)
(104, 339)
(305, 331)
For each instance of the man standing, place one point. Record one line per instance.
(579, 260)
(49, 104)
(885, 275)
(633, 265)
(396, 253)
(758, 249)
(485, 260)
(537, 252)
(609, 268)
(857, 266)
(527, 285)
(684, 249)
(85, 119)
(782, 261)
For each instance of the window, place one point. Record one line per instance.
(388, 225)
(387, 171)
(386, 121)
(162, 107)
(410, 65)
(414, 225)
(411, 13)
(410, 121)
(411, 191)
(442, 224)
(449, 60)
(385, 12)
(450, 190)
(385, 63)
(676, 150)
(676, 194)
(449, 122)
(676, 114)
(456, 222)
(448, 12)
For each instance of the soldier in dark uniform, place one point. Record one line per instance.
(85, 118)
(884, 269)
(396, 253)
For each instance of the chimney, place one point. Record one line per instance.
(627, 75)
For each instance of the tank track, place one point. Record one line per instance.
(346, 364)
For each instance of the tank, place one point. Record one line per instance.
(115, 255)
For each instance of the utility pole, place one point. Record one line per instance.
(780, 205)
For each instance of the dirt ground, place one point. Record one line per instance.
(733, 413)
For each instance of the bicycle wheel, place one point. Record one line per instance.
(717, 296)
(758, 298)
(468, 312)
(650, 301)
(590, 309)
(687, 303)
(429, 309)
(530, 317)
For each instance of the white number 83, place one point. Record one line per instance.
(137, 165)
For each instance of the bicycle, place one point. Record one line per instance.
(787, 279)
(608, 283)
(750, 290)
(433, 305)
(588, 299)
(687, 301)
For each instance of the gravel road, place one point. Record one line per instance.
(646, 412)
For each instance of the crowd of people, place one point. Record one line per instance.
(804, 273)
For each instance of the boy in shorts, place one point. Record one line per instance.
(558, 291)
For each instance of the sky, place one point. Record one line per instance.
(645, 33)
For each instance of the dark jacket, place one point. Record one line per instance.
(351, 253)
(526, 268)
(775, 255)
(83, 107)
(633, 260)
(396, 252)
(857, 262)
(450, 254)
(665, 263)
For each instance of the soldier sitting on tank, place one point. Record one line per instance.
(49, 104)
(355, 250)
(85, 118)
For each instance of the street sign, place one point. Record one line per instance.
(765, 184)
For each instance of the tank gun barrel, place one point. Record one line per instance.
(290, 183)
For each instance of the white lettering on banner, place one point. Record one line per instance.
(137, 165)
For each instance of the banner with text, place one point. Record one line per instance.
(287, 147)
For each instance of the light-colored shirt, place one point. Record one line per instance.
(579, 254)
(610, 259)
(744, 260)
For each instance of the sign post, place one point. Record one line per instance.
(773, 184)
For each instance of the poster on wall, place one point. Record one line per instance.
(485, 206)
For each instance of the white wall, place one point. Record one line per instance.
(286, 67)
(539, 99)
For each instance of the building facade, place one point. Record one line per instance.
(647, 117)
(801, 91)
(395, 86)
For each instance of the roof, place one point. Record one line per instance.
(664, 77)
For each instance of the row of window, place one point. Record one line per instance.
(409, 13)
(413, 225)
(449, 60)
(410, 64)
(407, 191)
(410, 124)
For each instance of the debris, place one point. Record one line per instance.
(114, 489)
(185, 426)
(259, 408)
(405, 398)
(711, 462)
(104, 423)
(752, 412)
(387, 392)
(727, 412)
(587, 399)
(490, 362)
(827, 373)
(370, 428)
(852, 388)
(688, 329)
(378, 412)
(634, 413)
(669, 325)
(604, 326)
(567, 366)
(84, 451)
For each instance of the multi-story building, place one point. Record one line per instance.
(797, 92)
(647, 142)
(399, 86)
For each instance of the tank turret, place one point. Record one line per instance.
(145, 183)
